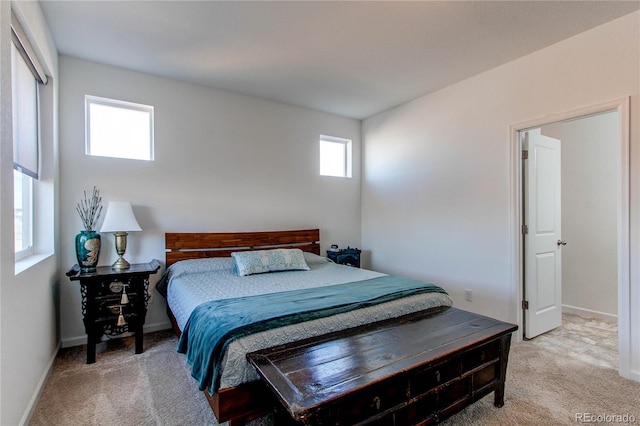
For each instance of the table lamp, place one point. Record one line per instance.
(120, 220)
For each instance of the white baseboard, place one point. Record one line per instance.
(148, 328)
(589, 313)
(74, 341)
(26, 417)
(159, 326)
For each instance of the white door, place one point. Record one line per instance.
(543, 238)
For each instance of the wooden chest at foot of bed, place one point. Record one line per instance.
(415, 370)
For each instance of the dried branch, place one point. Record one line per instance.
(89, 209)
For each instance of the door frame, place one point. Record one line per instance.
(516, 218)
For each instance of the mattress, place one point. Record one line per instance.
(189, 283)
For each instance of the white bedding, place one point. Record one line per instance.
(193, 282)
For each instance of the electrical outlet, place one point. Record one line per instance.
(468, 295)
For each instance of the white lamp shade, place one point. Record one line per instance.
(120, 217)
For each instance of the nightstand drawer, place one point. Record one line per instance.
(109, 306)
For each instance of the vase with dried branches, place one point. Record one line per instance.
(88, 240)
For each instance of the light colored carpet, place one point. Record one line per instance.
(551, 379)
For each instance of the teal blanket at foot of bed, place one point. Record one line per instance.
(213, 325)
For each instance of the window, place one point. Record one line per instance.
(23, 214)
(32, 127)
(335, 156)
(26, 144)
(118, 129)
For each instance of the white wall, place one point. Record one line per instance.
(589, 213)
(223, 162)
(436, 195)
(28, 308)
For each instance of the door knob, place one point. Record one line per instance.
(562, 243)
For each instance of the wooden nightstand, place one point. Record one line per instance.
(102, 301)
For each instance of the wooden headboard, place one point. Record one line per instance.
(194, 245)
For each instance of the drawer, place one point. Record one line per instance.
(481, 355)
(428, 379)
(366, 403)
(420, 411)
(112, 286)
(484, 376)
(453, 393)
(110, 305)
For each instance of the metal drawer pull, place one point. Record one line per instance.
(482, 356)
(437, 376)
(376, 403)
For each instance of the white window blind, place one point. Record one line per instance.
(25, 116)
(26, 50)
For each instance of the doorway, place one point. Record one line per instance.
(577, 270)
(619, 147)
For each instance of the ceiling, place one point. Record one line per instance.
(353, 59)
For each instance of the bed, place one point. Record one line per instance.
(232, 386)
